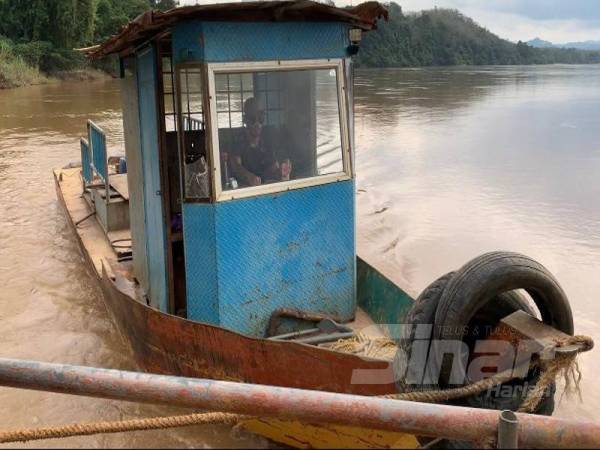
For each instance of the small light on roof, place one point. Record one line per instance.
(355, 35)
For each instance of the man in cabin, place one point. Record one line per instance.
(253, 159)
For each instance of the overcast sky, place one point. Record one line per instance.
(558, 21)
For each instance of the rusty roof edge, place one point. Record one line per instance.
(146, 25)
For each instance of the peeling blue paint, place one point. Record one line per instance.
(293, 249)
(258, 41)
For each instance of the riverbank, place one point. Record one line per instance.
(18, 75)
(37, 63)
(15, 72)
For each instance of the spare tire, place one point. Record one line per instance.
(423, 312)
(489, 276)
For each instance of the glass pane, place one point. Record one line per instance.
(329, 157)
(195, 103)
(236, 119)
(235, 82)
(247, 94)
(222, 102)
(197, 121)
(247, 82)
(261, 81)
(167, 83)
(193, 84)
(274, 118)
(195, 171)
(272, 100)
(223, 120)
(170, 122)
(235, 99)
(273, 80)
(166, 64)
(287, 128)
(168, 103)
(221, 83)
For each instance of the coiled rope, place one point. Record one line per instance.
(561, 366)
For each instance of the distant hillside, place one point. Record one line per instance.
(585, 45)
(443, 37)
(540, 43)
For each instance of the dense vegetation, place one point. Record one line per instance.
(441, 37)
(38, 39)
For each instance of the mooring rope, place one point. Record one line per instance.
(562, 366)
(151, 423)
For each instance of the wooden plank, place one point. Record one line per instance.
(303, 435)
(119, 183)
(89, 231)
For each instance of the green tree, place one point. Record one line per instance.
(111, 15)
(164, 5)
(441, 37)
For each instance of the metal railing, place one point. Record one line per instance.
(191, 124)
(97, 141)
(422, 419)
(86, 161)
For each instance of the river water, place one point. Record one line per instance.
(450, 163)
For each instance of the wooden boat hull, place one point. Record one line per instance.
(167, 344)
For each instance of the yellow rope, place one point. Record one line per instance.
(564, 366)
(364, 345)
(86, 429)
(561, 366)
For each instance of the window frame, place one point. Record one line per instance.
(336, 64)
(177, 73)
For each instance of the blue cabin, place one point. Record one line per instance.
(238, 124)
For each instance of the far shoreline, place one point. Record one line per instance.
(87, 74)
(91, 74)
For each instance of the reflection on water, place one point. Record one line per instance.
(451, 163)
(456, 162)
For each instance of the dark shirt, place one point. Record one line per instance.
(260, 159)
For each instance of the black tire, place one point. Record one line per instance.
(424, 309)
(423, 313)
(488, 276)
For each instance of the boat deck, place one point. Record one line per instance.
(89, 231)
(118, 182)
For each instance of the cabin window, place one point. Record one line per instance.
(279, 126)
(169, 94)
(192, 126)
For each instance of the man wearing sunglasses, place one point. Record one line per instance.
(253, 160)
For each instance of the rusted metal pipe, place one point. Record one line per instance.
(467, 424)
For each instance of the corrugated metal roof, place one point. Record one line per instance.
(152, 23)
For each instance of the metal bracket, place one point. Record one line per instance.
(508, 430)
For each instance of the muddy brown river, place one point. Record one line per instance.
(451, 163)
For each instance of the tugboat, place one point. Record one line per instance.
(224, 241)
